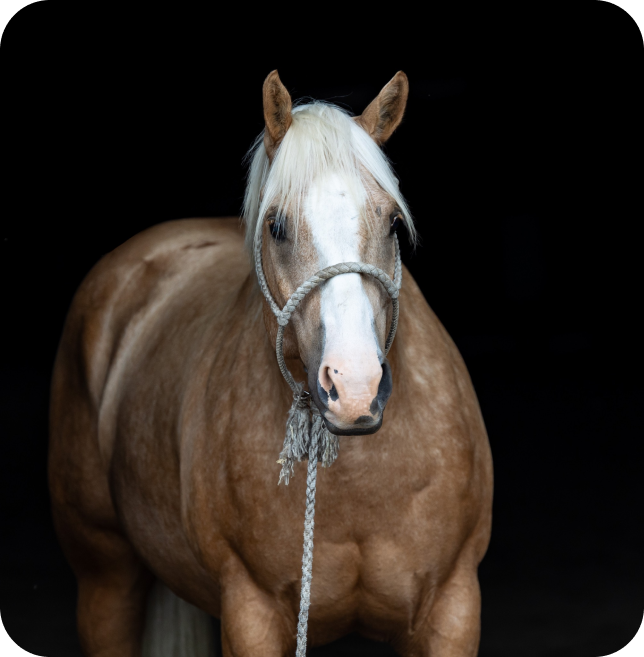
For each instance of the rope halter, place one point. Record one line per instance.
(306, 433)
(304, 416)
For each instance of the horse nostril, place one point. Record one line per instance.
(375, 406)
(323, 394)
(384, 388)
(333, 393)
(325, 379)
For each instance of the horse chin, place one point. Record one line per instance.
(355, 430)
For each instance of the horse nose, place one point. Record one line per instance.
(350, 393)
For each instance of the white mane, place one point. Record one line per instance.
(322, 139)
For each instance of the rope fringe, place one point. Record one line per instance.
(304, 429)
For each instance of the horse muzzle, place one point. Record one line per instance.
(346, 406)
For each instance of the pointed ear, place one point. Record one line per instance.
(277, 112)
(386, 110)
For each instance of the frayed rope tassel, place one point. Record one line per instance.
(303, 422)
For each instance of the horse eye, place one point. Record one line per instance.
(395, 223)
(278, 230)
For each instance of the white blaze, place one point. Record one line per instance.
(333, 218)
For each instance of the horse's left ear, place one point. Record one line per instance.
(277, 112)
(386, 110)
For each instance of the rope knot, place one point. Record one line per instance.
(305, 433)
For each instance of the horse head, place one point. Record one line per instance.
(321, 192)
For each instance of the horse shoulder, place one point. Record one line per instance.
(443, 418)
(116, 302)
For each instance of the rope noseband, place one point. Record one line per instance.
(306, 433)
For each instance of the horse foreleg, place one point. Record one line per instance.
(453, 626)
(251, 622)
(112, 590)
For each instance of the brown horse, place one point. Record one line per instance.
(168, 413)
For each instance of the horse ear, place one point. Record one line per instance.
(277, 112)
(385, 112)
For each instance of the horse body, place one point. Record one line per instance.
(167, 419)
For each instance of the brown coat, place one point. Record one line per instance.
(167, 418)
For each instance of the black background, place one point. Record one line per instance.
(520, 155)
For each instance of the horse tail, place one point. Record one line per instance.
(175, 628)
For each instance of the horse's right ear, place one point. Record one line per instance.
(277, 112)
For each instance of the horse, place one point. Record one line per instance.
(168, 411)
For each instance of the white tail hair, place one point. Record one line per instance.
(175, 628)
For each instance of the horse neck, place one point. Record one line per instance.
(250, 347)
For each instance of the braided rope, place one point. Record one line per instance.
(320, 277)
(392, 287)
(279, 349)
(259, 269)
(329, 272)
(307, 556)
(283, 317)
(398, 264)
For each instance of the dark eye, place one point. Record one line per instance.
(396, 220)
(278, 230)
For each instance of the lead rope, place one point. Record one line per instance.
(306, 433)
(307, 553)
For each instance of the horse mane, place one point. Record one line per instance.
(322, 139)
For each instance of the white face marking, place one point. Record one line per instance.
(333, 219)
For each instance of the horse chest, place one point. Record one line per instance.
(376, 585)
(375, 556)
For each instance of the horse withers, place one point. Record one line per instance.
(168, 413)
